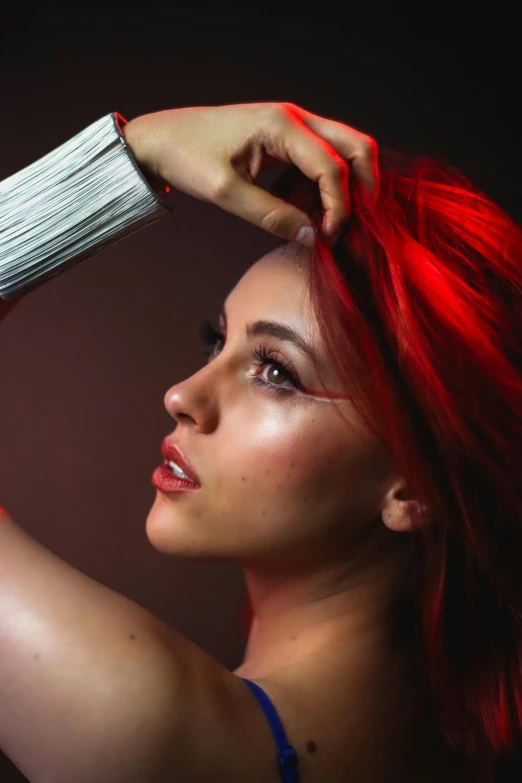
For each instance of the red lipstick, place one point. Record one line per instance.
(165, 480)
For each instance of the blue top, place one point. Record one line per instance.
(288, 760)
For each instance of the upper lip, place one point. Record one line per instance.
(172, 452)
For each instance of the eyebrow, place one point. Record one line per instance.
(277, 330)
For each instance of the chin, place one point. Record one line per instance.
(170, 533)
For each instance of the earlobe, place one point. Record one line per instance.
(404, 514)
(408, 515)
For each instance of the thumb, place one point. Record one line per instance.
(266, 211)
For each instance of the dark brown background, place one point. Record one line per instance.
(86, 358)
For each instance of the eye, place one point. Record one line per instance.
(262, 355)
(269, 357)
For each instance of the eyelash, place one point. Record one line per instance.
(262, 355)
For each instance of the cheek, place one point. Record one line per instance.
(290, 457)
(304, 466)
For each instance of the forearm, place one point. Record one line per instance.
(66, 206)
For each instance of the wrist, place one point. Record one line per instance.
(138, 141)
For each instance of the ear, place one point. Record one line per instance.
(402, 512)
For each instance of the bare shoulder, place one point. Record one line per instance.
(343, 730)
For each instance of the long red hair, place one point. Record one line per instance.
(422, 296)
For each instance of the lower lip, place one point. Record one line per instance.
(164, 480)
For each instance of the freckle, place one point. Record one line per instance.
(243, 478)
(264, 512)
(37, 655)
(267, 471)
(292, 464)
(279, 487)
(311, 746)
(131, 636)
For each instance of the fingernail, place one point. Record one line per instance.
(305, 236)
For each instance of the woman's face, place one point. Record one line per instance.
(283, 477)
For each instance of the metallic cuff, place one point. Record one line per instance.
(70, 203)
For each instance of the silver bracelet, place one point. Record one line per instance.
(67, 205)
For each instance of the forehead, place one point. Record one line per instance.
(276, 288)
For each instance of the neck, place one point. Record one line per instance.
(300, 611)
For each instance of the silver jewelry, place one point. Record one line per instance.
(70, 203)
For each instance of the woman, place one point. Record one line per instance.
(353, 441)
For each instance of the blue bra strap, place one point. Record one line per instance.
(288, 761)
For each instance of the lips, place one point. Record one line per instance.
(171, 452)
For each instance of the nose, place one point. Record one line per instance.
(193, 401)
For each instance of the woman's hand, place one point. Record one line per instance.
(215, 153)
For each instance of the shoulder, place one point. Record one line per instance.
(221, 732)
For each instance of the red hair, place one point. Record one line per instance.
(422, 295)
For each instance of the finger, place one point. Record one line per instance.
(358, 149)
(257, 206)
(320, 162)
